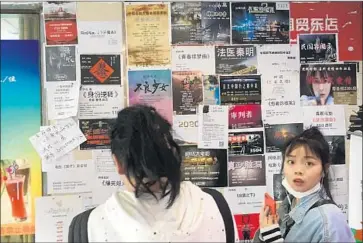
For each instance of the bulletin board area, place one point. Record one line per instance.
(266, 70)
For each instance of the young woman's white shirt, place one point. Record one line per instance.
(194, 217)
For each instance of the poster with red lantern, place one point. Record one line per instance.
(343, 18)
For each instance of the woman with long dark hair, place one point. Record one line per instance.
(308, 213)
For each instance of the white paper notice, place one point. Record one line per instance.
(62, 100)
(338, 180)
(245, 200)
(213, 127)
(58, 164)
(100, 101)
(56, 141)
(190, 58)
(107, 179)
(273, 171)
(70, 182)
(54, 215)
(329, 119)
(185, 129)
(105, 36)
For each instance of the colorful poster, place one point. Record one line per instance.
(328, 84)
(246, 143)
(185, 129)
(60, 23)
(188, 58)
(100, 69)
(318, 48)
(147, 34)
(60, 63)
(247, 225)
(187, 92)
(244, 116)
(21, 178)
(277, 135)
(240, 89)
(329, 119)
(96, 132)
(237, 60)
(204, 167)
(216, 22)
(246, 170)
(260, 23)
(211, 90)
(344, 18)
(186, 23)
(152, 87)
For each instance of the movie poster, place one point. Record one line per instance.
(247, 225)
(60, 63)
(204, 167)
(211, 94)
(187, 92)
(60, 23)
(237, 60)
(336, 149)
(96, 132)
(279, 134)
(21, 110)
(240, 89)
(147, 34)
(152, 87)
(328, 84)
(100, 69)
(215, 20)
(343, 17)
(318, 48)
(246, 170)
(185, 129)
(260, 23)
(245, 143)
(279, 189)
(244, 116)
(274, 163)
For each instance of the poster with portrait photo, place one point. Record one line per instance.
(278, 135)
(246, 170)
(245, 143)
(318, 48)
(60, 63)
(96, 132)
(336, 149)
(279, 189)
(204, 167)
(328, 84)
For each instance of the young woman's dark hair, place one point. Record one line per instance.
(312, 140)
(141, 141)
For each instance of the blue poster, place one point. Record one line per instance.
(20, 119)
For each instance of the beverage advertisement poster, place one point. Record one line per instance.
(204, 167)
(244, 116)
(344, 18)
(152, 87)
(237, 60)
(240, 89)
(21, 178)
(60, 23)
(100, 69)
(245, 143)
(278, 134)
(318, 48)
(96, 132)
(260, 23)
(147, 34)
(246, 170)
(60, 63)
(187, 92)
(211, 94)
(328, 84)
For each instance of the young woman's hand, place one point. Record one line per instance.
(266, 219)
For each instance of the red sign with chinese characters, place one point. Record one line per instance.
(343, 18)
(61, 31)
(244, 116)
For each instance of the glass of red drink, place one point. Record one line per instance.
(15, 188)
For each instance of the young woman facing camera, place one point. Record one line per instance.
(156, 206)
(307, 214)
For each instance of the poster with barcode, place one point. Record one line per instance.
(213, 127)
